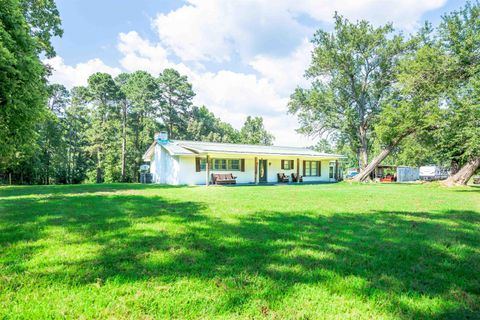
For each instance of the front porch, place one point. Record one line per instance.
(273, 184)
(271, 170)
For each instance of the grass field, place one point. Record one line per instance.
(333, 251)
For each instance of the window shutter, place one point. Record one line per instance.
(291, 164)
(319, 168)
(197, 164)
(282, 164)
(304, 167)
(242, 165)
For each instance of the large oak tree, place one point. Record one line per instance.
(351, 74)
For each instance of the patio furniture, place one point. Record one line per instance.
(296, 178)
(223, 178)
(388, 178)
(282, 177)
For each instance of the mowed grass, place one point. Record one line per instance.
(333, 251)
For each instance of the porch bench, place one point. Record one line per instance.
(223, 178)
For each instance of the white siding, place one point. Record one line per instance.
(164, 167)
(275, 166)
(188, 175)
(167, 169)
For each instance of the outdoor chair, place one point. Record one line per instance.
(282, 177)
(296, 178)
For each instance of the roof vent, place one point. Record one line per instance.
(161, 137)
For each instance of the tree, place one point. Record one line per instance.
(175, 101)
(51, 133)
(458, 139)
(103, 94)
(141, 94)
(23, 90)
(253, 132)
(352, 71)
(121, 81)
(414, 105)
(323, 145)
(204, 126)
(44, 23)
(459, 35)
(78, 123)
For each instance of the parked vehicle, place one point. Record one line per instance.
(351, 173)
(432, 173)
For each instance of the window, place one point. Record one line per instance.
(287, 164)
(226, 164)
(220, 164)
(312, 168)
(203, 164)
(331, 172)
(234, 164)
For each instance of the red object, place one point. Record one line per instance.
(388, 178)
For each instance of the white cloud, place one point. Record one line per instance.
(140, 54)
(77, 75)
(266, 40)
(286, 73)
(404, 14)
(220, 30)
(234, 96)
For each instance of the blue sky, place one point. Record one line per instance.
(243, 57)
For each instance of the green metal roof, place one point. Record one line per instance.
(214, 147)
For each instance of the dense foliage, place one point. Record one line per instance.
(99, 133)
(352, 71)
(25, 31)
(375, 96)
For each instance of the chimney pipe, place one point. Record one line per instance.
(161, 137)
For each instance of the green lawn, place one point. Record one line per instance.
(333, 251)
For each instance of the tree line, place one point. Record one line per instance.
(93, 133)
(99, 132)
(377, 95)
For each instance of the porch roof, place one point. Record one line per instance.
(182, 147)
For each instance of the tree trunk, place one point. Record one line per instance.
(464, 174)
(363, 152)
(47, 178)
(99, 168)
(365, 174)
(124, 141)
(454, 167)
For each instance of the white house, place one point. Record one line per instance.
(193, 163)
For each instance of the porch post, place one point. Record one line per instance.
(207, 171)
(298, 170)
(337, 173)
(255, 170)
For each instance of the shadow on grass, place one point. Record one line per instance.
(397, 255)
(15, 191)
(470, 188)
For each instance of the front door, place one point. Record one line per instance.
(262, 170)
(331, 171)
